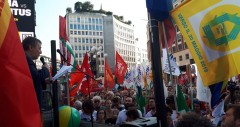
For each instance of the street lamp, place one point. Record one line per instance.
(95, 53)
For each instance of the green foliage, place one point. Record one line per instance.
(88, 7)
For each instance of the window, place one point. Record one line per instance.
(82, 27)
(96, 21)
(79, 33)
(86, 40)
(80, 55)
(75, 39)
(180, 58)
(97, 27)
(87, 48)
(90, 27)
(83, 47)
(79, 26)
(93, 27)
(75, 26)
(83, 40)
(89, 20)
(71, 26)
(100, 21)
(86, 27)
(179, 37)
(93, 20)
(174, 49)
(71, 32)
(80, 48)
(187, 56)
(180, 47)
(78, 19)
(76, 55)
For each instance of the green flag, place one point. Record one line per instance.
(140, 99)
(181, 102)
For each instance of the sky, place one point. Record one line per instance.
(48, 11)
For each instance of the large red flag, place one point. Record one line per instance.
(170, 32)
(19, 105)
(120, 69)
(108, 77)
(86, 84)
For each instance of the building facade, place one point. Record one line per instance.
(87, 30)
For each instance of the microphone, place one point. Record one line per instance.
(42, 60)
(59, 52)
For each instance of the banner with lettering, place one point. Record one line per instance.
(174, 67)
(24, 15)
(211, 30)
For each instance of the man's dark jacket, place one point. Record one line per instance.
(38, 77)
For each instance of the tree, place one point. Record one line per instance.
(109, 13)
(87, 6)
(69, 10)
(78, 6)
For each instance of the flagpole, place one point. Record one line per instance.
(169, 65)
(89, 99)
(54, 85)
(67, 90)
(166, 45)
(157, 72)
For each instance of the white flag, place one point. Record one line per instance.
(174, 67)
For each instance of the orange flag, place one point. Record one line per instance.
(108, 77)
(120, 69)
(19, 106)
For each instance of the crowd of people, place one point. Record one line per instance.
(117, 107)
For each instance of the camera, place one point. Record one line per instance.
(232, 86)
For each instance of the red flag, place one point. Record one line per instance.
(76, 77)
(86, 84)
(108, 77)
(19, 105)
(170, 32)
(120, 69)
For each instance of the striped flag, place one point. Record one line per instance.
(19, 105)
(65, 46)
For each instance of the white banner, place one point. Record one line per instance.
(174, 67)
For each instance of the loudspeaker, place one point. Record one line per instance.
(142, 122)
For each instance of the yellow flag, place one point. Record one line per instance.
(211, 29)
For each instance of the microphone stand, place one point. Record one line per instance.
(87, 76)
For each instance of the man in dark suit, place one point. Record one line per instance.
(32, 48)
